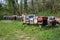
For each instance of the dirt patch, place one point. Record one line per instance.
(23, 36)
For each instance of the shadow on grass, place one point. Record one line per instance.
(43, 27)
(50, 27)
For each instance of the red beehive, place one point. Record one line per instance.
(42, 20)
(45, 18)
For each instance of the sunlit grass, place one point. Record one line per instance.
(15, 30)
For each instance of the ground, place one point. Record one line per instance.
(15, 30)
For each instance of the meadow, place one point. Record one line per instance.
(15, 30)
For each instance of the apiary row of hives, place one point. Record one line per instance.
(40, 20)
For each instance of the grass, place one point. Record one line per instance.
(15, 30)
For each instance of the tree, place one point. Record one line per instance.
(0, 6)
(32, 4)
(36, 6)
(17, 6)
(21, 6)
(25, 6)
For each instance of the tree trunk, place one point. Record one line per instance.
(32, 4)
(25, 6)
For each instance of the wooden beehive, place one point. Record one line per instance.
(51, 21)
(35, 20)
(57, 19)
(31, 19)
(42, 20)
(23, 18)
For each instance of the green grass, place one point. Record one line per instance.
(15, 30)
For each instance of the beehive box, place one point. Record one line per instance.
(28, 19)
(42, 20)
(57, 19)
(35, 19)
(23, 18)
(51, 21)
(31, 19)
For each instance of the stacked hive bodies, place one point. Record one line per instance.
(40, 20)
